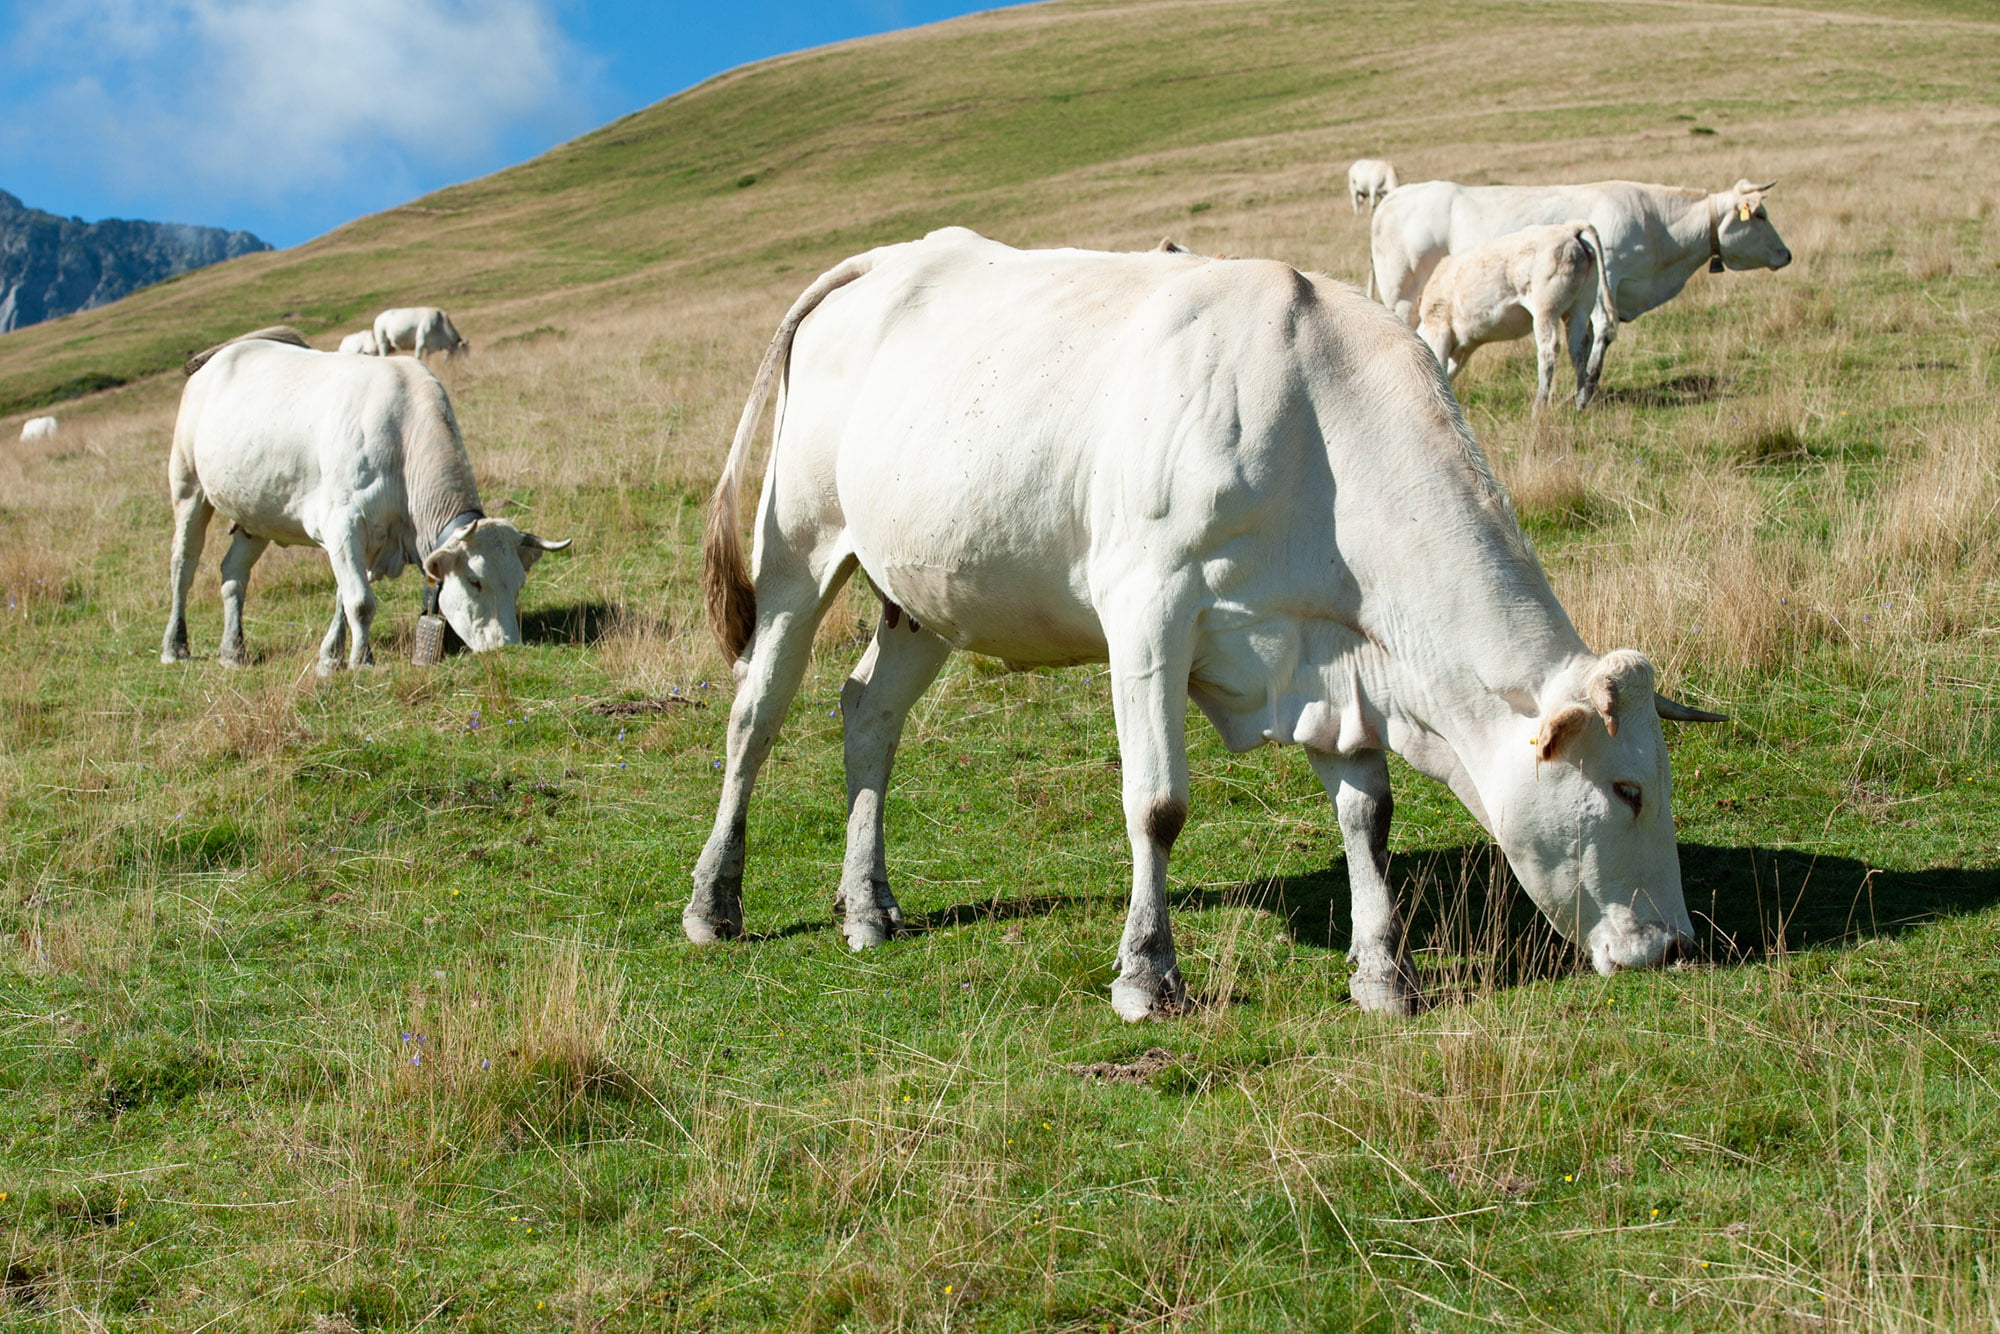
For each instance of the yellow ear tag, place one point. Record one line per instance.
(1743, 212)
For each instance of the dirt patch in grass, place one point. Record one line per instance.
(1140, 1069)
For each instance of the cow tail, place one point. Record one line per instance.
(1607, 305)
(727, 591)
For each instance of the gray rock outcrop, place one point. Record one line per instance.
(51, 265)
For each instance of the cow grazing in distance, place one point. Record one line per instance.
(418, 330)
(361, 342)
(39, 428)
(1655, 236)
(1535, 280)
(1369, 180)
(1236, 483)
(359, 456)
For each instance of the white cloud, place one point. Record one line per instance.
(256, 101)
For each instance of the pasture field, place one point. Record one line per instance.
(363, 1003)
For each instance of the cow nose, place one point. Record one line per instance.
(1784, 258)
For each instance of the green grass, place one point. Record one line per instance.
(363, 1004)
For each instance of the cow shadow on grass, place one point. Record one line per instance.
(1681, 391)
(1471, 926)
(920, 923)
(574, 623)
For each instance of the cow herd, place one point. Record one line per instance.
(1238, 484)
(1473, 264)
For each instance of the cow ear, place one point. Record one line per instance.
(1604, 699)
(1559, 730)
(532, 548)
(444, 561)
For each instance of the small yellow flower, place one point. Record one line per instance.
(1570, 1177)
(1704, 1264)
(1047, 1126)
(1656, 1213)
(947, 1289)
(454, 893)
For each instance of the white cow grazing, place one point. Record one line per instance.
(1233, 481)
(1369, 180)
(418, 330)
(1532, 281)
(38, 428)
(362, 342)
(357, 455)
(1655, 236)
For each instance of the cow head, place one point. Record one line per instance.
(1744, 231)
(480, 573)
(1580, 802)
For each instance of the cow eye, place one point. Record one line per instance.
(472, 583)
(1629, 794)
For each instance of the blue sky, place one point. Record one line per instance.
(289, 117)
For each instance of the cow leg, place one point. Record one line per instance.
(788, 611)
(191, 515)
(1359, 786)
(898, 667)
(357, 598)
(236, 562)
(1548, 354)
(1149, 692)
(335, 643)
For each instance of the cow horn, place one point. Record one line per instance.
(1760, 189)
(530, 540)
(1676, 712)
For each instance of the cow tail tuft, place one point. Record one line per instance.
(728, 593)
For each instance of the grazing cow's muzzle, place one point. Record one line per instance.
(1784, 258)
(1620, 940)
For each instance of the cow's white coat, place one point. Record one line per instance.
(1655, 236)
(358, 455)
(418, 330)
(1532, 281)
(1233, 481)
(361, 341)
(38, 428)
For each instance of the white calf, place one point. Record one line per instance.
(362, 342)
(1537, 279)
(38, 428)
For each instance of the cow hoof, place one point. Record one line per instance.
(168, 657)
(1148, 996)
(234, 659)
(866, 931)
(325, 668)
(706, 929)
(1384, 995)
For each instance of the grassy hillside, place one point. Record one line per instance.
(1112, 109)
(363, 1003)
